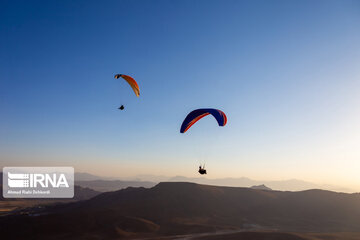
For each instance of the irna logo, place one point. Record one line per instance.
(34, 180)
(38, 182)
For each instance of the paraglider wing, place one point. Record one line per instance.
(197, 114)
(133, 84)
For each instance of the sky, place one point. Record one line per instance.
(286, 73)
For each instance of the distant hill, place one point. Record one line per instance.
(107, 185)
(261, 187)
(283, 185)
(84, 193)
(81, 176)
(104, 184)
(187, 208)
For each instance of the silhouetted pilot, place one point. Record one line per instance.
(202, 170)
(121, 107)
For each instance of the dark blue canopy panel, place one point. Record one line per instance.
(197, 114)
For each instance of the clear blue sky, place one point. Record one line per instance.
(286, 73)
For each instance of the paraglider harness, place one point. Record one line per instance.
(202, 170)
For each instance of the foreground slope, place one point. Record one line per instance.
(184, 208)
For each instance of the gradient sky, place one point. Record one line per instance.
(286, 73)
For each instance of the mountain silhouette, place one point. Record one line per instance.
(261, 187)
(185, 208)
(113, 185)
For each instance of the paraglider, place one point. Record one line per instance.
(202, 170)
(133, 84)
(196, 115)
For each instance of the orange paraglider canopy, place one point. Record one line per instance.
(133, 84)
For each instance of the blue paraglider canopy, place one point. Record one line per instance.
(197, 114)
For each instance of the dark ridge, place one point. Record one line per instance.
(171, 208)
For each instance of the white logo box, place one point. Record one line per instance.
(38, 182)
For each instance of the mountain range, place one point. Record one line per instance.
(152, 180)
(112, 185)
(173, 208)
